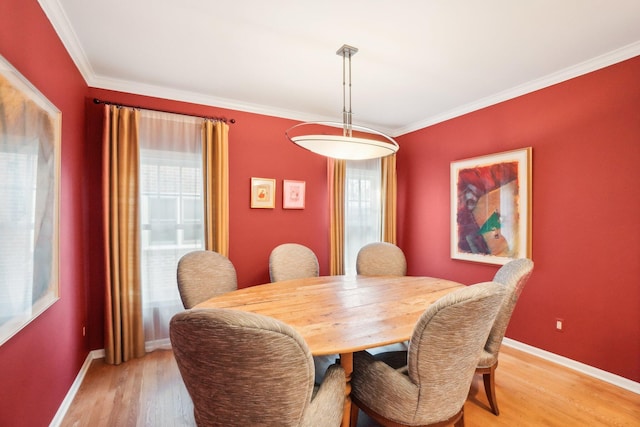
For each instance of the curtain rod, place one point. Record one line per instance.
(221, 119)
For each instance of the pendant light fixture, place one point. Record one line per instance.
(352, 142)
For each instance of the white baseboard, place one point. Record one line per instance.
(71, 394)
(164, 344)
(95, 354)
(605, 376)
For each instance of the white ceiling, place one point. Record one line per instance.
(419, 61)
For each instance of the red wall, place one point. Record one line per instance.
(257, 148)
(39, 364)
(585, 135)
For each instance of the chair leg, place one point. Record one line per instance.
(460, 422)
(490, 388)
(354, 414)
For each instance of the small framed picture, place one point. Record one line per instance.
(263, 193)
(293, 194)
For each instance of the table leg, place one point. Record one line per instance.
(346, 361)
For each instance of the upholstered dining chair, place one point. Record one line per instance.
(204, 274)
(292, 261)
(513, 276)
(381, 259)
(244, 369)
(295, 261)
(444, 352)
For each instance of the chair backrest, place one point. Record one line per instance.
(204, 274)
(241, 368)
(446, 345)
(513, 276)
(292, 261)
(381, 259)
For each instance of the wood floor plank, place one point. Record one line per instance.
(531, 392)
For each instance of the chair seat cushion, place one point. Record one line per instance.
(487, 359)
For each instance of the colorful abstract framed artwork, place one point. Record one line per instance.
(30, 133)
(263, 193)
(293, 194)
(491, 207)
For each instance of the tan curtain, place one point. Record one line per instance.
(215, 169)
(124, 337)
(336, 177)
(389, 199)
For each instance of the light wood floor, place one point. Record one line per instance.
(531, 392)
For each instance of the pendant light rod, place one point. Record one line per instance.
(346, 52)
(321, 139)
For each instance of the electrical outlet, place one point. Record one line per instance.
(559, 325)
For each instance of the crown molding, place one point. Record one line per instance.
(62, 26)
(626, 52)
(163, 92)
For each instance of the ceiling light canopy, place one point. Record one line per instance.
(343, 140)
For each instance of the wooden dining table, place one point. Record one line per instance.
(342, 314)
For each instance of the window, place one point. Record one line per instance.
(363, 208)
(171, 199)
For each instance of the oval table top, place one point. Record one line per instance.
(342, 314)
